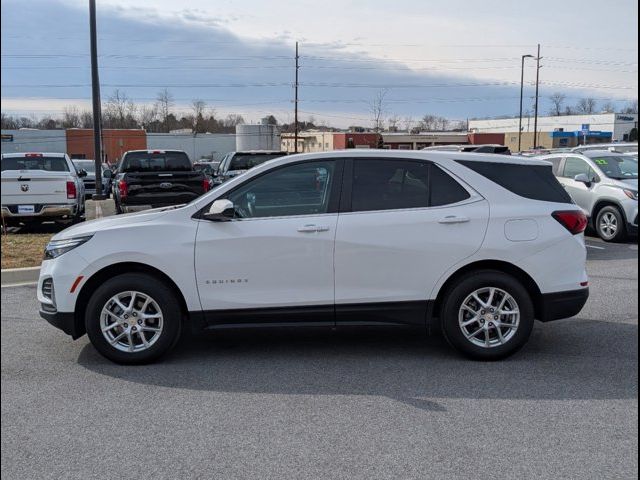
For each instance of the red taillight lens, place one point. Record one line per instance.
(123, 188)
(71, 190)
(573, 220)
(33, 155)
(205, 184)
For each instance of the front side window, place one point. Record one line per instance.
(575, 166)
(302, 189)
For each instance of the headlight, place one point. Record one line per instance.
(55, 248)
(632, 194)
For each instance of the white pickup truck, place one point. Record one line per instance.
(38, 187)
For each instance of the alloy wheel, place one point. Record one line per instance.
(608, 225)
(489, 317)
(131, 321)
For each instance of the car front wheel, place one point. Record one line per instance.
(610, 225)
(487, 316)
(133, 319)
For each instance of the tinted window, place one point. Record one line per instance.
(303, 189)
(155, 162)
(555, 161)
(536, 182)
(389, 184)
(88, 165)
(444, 189)
(245, 161)
(50, 164)
(575, 166)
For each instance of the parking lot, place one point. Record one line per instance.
(293, 404)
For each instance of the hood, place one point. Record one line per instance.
(112, 222)
(631, 182)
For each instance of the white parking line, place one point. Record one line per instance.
(24, 284)
(597, 248)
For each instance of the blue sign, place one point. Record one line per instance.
(585, 128)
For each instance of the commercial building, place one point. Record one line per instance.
(114, 142)
(33, 140)
(409, 141)
(561, 131)
(202, 145)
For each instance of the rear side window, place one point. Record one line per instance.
(156, 162)
(444, 189)
(575, 166)
(555, 161)
(247, 161)
(536, 182)
(49, 164)
(398, 184)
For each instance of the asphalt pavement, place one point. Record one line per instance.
(301, 404)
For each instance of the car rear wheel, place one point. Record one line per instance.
(610, 225)
(133, 319)
(487, 316)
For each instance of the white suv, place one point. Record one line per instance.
(344, 238)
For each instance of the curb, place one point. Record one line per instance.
(11, 276)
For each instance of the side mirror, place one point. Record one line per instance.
(107, 174)
(583, 178)
(220, 211)
(82, 173)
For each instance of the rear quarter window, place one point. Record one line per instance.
(536, 182)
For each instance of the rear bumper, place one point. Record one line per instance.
(41, 211)
(555, 306)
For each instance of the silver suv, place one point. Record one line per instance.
(605, 185)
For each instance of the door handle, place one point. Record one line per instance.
(453, 219)
(313, 228)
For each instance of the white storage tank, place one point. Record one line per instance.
(257, 137)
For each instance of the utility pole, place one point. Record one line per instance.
(295, 115)
(95, 93)
(521, 93)
(535, 121)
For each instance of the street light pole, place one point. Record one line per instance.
(95, 93)
(295, 128)
(521, 94)
(535, 121)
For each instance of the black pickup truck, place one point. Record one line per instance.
(156, 178)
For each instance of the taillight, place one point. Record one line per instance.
(123, 188)
(206, 184)
(28, 155)
(573, 220)
(71, 189)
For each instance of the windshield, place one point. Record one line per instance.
(50, 164)
(621, 167)
(87, 165)
(250, 160)
(156, 162)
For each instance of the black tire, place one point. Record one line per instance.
(119, 210)
(147, 285)
(453, 301)
(613, 214)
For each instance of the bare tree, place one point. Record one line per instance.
(147, 115)
(377, 108)
(429, 123)
(632, 107)
(608, 107)
(393, 122)
(233, 120)
(120, 111)
(407, 123)
(557, 102)
(164, 103)
(86, 119)
(198, 108)
(71, 117)
(8, 122)
(586, 105)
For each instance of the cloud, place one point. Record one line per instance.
(196, 55)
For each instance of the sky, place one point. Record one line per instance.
(454, 58)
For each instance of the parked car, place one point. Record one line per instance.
(620, 147)
(89, 179)
(156, 178)
(235, 163)
(605, 185)
(209, 169)
(360, 238)
(489, 148)
(38, 187)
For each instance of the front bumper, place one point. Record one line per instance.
(65, 321)
(555, 306)
(40, 211)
